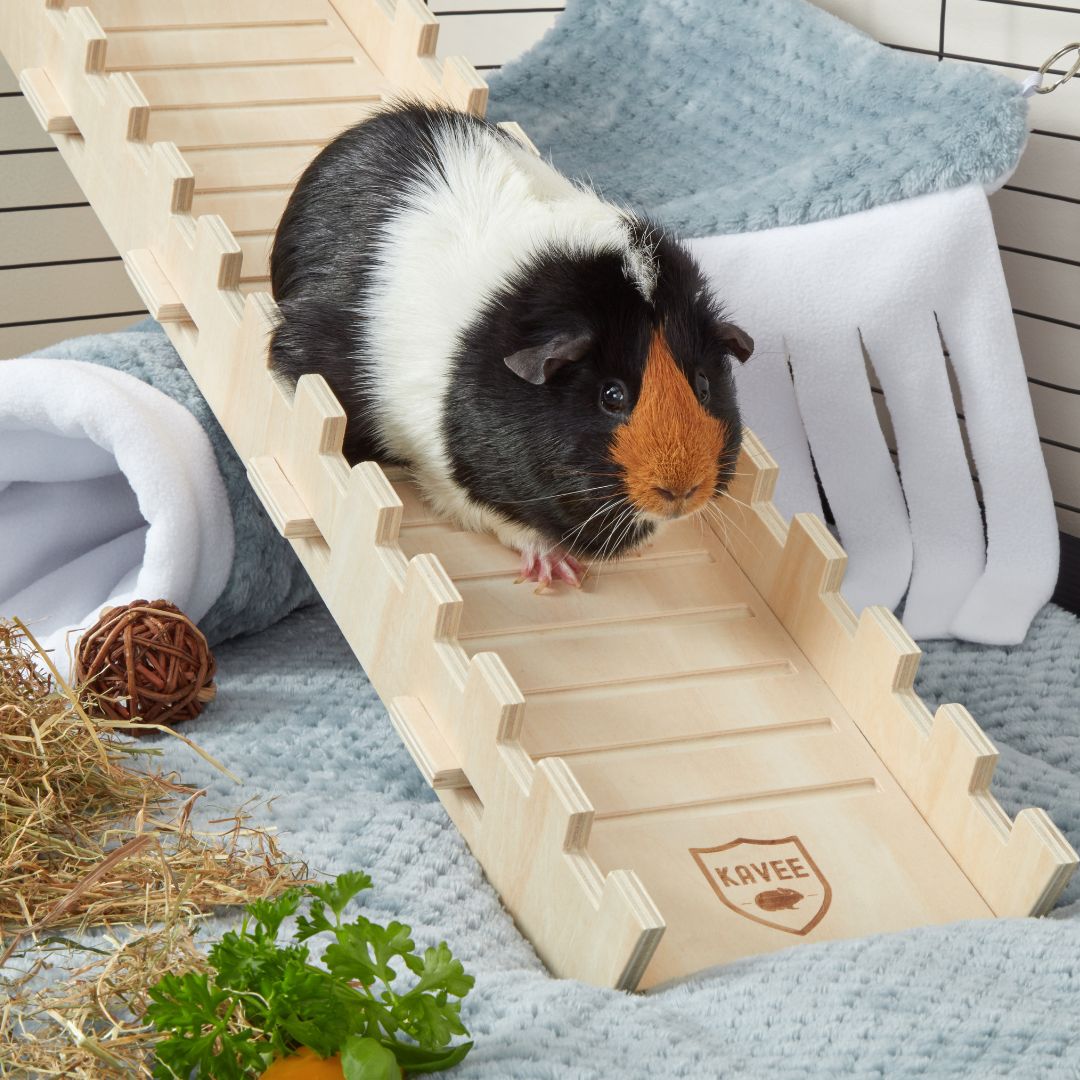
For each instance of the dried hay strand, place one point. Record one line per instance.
(91, 834)
(88, 1026)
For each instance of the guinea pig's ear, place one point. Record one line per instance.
(538, 364)
(738, 342)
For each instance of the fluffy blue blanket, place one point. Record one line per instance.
(296, 717)
(719, 117)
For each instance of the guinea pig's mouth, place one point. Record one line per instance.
(659, 503)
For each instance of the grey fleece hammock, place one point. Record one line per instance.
(835, 191)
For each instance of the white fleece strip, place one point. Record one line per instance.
(887, 274)
(1023, 548)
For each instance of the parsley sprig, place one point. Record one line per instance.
(264, 1000)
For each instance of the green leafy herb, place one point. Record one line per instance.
(266, 1000)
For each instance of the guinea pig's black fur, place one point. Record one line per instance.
(524, 450)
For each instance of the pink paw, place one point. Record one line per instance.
(549, 566)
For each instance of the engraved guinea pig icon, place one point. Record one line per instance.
(778, 899)
(550, 367)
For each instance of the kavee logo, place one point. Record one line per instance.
(774, 882)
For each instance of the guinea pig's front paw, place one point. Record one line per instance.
(544, 567)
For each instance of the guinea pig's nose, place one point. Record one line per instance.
(671, 496)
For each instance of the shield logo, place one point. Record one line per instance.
(772, 882)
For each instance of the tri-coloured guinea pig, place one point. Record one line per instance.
(552, 368)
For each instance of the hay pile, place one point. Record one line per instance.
(91, 834)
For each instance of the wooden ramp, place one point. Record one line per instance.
(701, 755)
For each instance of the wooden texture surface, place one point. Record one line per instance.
(700, 755)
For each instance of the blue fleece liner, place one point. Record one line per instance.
(719, 116)
(267, 580)
(297, 719)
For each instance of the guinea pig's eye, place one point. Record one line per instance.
(701, 386)
(614, 396)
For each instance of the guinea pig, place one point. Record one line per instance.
(552, 368)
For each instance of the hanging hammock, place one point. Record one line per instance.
(835, 191)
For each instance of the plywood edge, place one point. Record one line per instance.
(943, 762)
(45, 102)
(401, 37)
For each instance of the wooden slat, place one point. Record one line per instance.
(19, 128)
(20, 340)
(55, 292)
(256, 252)
(37, 236)
(487, 40)
(36, 180)
(154, 288)
(137, 50)
(260, 125)
(258, 167)
(262, 85)
(113, 14)
(244, 212)
(286, 509)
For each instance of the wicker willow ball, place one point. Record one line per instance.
(147, 662)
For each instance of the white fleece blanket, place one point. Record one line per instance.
(109, 492)
(897, 281)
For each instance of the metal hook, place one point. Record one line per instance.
(1074, 70)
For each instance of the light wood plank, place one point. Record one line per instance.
(54, 292)
(261, 125)
(20, 340)
(125, 14)
(256, 251)
(229, 169)
(137, 50)
(355, 80)
(245, 212)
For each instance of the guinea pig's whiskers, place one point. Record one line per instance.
(623, 533)
(558, 495)
(604, 507)
(609, 537)
(619, 530)
(725, 521)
